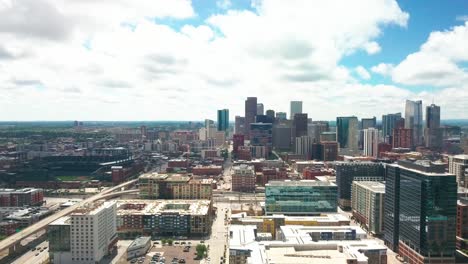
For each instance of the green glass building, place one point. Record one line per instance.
(300, 197)
(223, 119)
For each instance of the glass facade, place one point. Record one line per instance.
(223, 119)
(300, 198)
(59, 237)
(392, 207)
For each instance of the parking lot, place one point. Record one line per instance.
(168, 254)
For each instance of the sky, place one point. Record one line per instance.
(183, 60)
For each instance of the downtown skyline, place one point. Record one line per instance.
(184, 60)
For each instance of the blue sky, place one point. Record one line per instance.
(93, 59)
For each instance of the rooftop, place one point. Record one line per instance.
(139, 242)
(165, 177)
(374, 186)
(299, 183)
(92, 208)
(65, 220)
(153, 207)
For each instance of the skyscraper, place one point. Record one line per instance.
(250, 113)
(270, 113)
(239, 126)
(413, 120)
(282, 134)
(432, 131)
(371, 142)
(223, 119)
(281, 116)
(261, 135)
(260, 109)
(316, 128)
(347, 134)
(420, 212)
(296, 108)
(388, 124)
(300, 124)
(365, 123)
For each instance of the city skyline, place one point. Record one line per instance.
(158, 60)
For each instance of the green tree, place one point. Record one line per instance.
(170, 241)
(201, 250)
(163, 241)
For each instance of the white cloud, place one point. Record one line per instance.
(362, 72)
(384, 69)
(224, 4)
(150, 71)
(462, 18)
(372, 47)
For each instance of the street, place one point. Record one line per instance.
(36, 256)
(219, 235)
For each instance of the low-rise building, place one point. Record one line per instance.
(207, 170)
(367, 200)
(138, 247)
(243, 178)
(21, 197)
(174, 186)
(164, 217)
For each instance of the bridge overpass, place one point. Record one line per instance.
(13, 243)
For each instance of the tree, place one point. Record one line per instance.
(163, 241)
(170, 241)
(201, 250)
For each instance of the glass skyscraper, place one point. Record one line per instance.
(300, 197)
(414, 120)
(347, 133)
(223, 119)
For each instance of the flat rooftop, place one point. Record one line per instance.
(138, 243)
(92, 208)
(155, 207)
(166, 177)
(377, 187)
(65, 220)
(299, 183)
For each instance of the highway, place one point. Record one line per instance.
(30, 230)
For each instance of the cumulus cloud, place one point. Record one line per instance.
(384, 69)
(372, 47)
(362, 72)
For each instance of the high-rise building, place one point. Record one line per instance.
(239, 126)
(329, 150)
(414, 120)
(243, 178)
(388, 124)
(261, 134)
(304, 197)
(296, 108)
(462, 223)
(458, 165)
(250, 113)
(264, 119)
(304, 146)
(420, 212)
(237, 141)
(367, 202)
(223, 119)
(432, 130)
(316, 128)
(270, 113)
(282, 135)
(327, 136)
(300, 124)
(347, 134)
(347, 172)
(402, 138)
(371, 142)
(365, 124)
(281, 116)
(260, 109)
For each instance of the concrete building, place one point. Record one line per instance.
(223, 119)
(316, 128)
(304, 146)
(138, 247)
(388, 124)
(260, 109)
(458, 165)
(347, 135)
(261, 134)
(296, 108)
(329, 150)
(300, 124)
(21, 197)
(303, 197)
(414, 120)
(347, 172)
(174, 186)
(367, 199)
(164, 218)
(420, 190)
(239, 125)
(371, 142)
(282, 134)
(243, 178)
(250, 113)
(327, 136)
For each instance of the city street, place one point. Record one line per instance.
(219, 233)
(35, 256)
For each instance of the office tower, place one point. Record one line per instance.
(347, 134)
(250, 113)
(296, 108)
(93, 232)
(271, 114)
(413, 120)
(329, 150)
(300, 197)
(282, 134)
(462, 223)
(239, 126)
(432, 130)
(223, 119)
(304, 146)
(281, 116)
(315, 128)
(261, 134)
(260, 109)
(237, 141)
(371, 142)
(420, 212)
(202, 134)
(458, 165)
(327, 136)
(402, 138)
(300, 125)
(208, 123)
(243, 178)
(367, 202)
(264, 119)
(388, 124)
(347, 172)
(365, 124)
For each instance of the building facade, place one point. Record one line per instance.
(402, 138)
(296, 108)
(432, 130)
(239, 125)
(347, 134)
(388, 124)
(174, 186)
(367, 203)
(300, 197)
(243, 178)
(458, 165)
(414, 120)
(223, 119)
(250, 113)
(371, 142)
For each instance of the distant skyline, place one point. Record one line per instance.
(184, 60)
